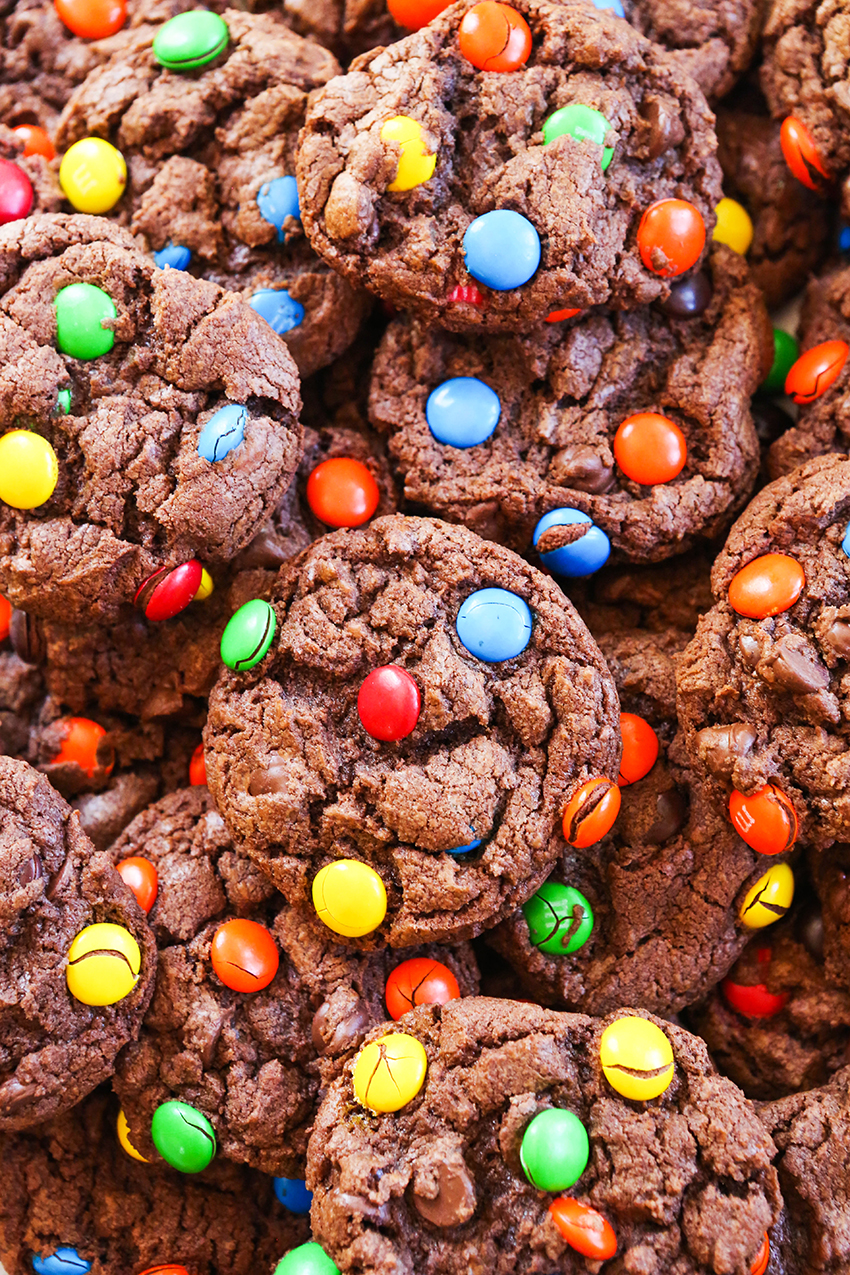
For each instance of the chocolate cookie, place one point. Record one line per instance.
(762, 686)
(253, 1062)
(713, 43)
(629, 430)
(210, 154)
(69, 1185)
(669, 1169)
(655, 597)
(111, 480)
(429, 705)
(77, 957)
(423, 177)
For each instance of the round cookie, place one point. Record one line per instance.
(441, 1181)
(560, 222)
(252, 1063)
(133, 493)
(56, 1041)
(69, 1184)
(556, 436)
(509, 728)
(210, 154)
(761, 687)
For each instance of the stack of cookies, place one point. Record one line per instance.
(425, 637)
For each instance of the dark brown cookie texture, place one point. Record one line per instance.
(134, 494)
(655, 596)
(253, 1062)
(821, 424)
(792, 226)
(211, 161)
(70, 1185)
(713, 43)
(563, 394)
(504, 730)
(812, 1133)
(762, 700)
(485, 131)
(54, 1048)
(683, 1181)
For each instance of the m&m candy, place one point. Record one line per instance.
(92, 19)
(734, 226)
(650, 448)
(16, 193)
(467, 848)
(205, 587)
(414, 14)
(670, 237)
(591, 812)
(244, 955)
(582, 123)
(104, 962)
(494, 37)
(801, 154)
(306, 1259)
(223, 432)
(389, 703)
(559, 918)
(786, 351)
(293, 1194)
(583, 1228)
(83, 746)
(29, 469)
(462, 412)
(277, 201)
(93, 175)
(558, 316)
(5, 617)
(640, 748)
(555, 1150)
(198, 767)
(415, 163)
(169, 590)
(466, 294)
(173, 256)
(768, 585)
(122, 1128)
(766, 820)
(501, 249)
(762, 1257)
(248, 635)
(636, 1058)
(349, 897)
(190, 40)
(769, 899)
(389, 1072)
(753, 1000)
(281, 311)
(342, 492)
(183, 1136)
(36, 141)
(82, 311)
(580, 557)
(62, 1261)
(142, 877)
(816, 370)
(494, 625)
(419, 981)
(169, 1269)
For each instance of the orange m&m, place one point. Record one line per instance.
(766, 820)
(494, 37)
(583, 1228)
(766, 586)
(81, 745)
(419, 981)
(36, 141)
(414, 14)
(5, 617)
(165, 1270)
(142, 878)
(244, 955)
(640, 748)
(762, 1257)
(198, 767)
(815, 371)
(591, 812)
(557, 316)
(92, 19)
(650, 449)
(342, 492)
(800, 152)
(670, 237)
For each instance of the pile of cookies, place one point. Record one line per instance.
(425, 637)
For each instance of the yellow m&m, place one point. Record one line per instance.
(29, 470)
(123, 1130)
(104, 961)
(769, 899)
(415, 164)
(734, 226)
(350, 898)
(93, 175)
(389, 1072)
(637, 1058)
(205, 588)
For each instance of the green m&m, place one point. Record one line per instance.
(555, 1150)
(581, 122)
(183, 1136)
(81, 310)
(248, 635)
(190, 40)
(786, 351)
(306, 1259)
(559, 918)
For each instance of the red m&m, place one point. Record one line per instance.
(670, 237)
(92, 19)
(800, 152)
(143, 879)
(583, 1228)
(165, 1270)
(198, 767)
(558, 316)
(16, 194)
(466, 294)
(389, 703)
(82, 746)
(36, 141)
(650, 449)
(170, 590)
(591, 812)
(244, 955)
(494, 37)
(766, 586)
(5, 617)
(640, 748)
(414, 14)
(420, 981)
(816, 370)
(753, 1000)
(342, 492)
(767, 820)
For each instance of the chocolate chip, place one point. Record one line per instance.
(689, 298)
(30, 870)
(750, 649)
(721, 746)
(455, 1199)
(662, 115)
(793, 665)
(810, 930)
(275, 778)
(26, 637)
(344, 1034)
(672, 807)
(14, 1096)
(60, 880)
(580, 467)
(265, 551)
(837, 638)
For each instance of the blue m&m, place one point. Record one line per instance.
(468, 848)
(502, 249)
(277, 200)
(223, 432)
(462, 412)
(280, 311)
(64, 1261)
(583, 556)
(494, 625)
(174, 256)
(293, 1194)
(614, 5)
(845, 543)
